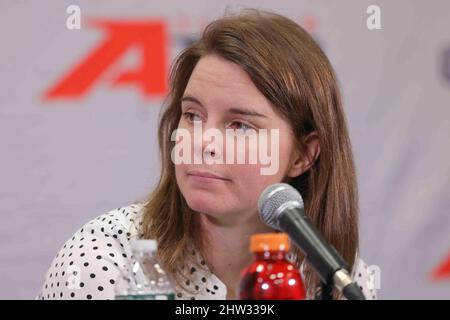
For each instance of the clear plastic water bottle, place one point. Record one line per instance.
(145, 280)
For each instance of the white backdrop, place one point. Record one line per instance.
(66, 159)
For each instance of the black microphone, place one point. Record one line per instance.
(281, 207)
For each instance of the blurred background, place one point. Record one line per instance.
(79, 108)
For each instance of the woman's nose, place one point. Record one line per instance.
(212, 140)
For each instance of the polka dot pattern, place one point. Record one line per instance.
(365, 278)
(89, 263)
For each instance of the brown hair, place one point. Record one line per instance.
(293, 73)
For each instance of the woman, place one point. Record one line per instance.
(253, 71)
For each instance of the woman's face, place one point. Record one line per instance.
(218, 95)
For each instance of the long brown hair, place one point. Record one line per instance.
(293, 73)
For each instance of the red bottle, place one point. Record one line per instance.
(271, 276)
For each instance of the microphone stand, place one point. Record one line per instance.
(324, 258)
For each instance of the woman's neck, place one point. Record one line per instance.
(227, 248)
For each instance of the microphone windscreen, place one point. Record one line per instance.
(272, 198)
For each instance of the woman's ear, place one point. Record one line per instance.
(302, 162)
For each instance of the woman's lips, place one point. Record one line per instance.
(205, 176)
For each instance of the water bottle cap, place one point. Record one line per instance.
(144, 245)
(269, 242)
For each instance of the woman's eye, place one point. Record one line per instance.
(191, 117)
(237, 125)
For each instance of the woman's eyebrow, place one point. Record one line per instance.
(192, 99)
(246, 112)
(240, 111)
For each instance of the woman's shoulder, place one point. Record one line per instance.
(122, 218)
(88, 263)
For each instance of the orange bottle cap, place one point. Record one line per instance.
(269, 242)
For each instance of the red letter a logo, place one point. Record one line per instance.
(150, 75)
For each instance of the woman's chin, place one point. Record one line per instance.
(203, 206)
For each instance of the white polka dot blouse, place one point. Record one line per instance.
(89, 264)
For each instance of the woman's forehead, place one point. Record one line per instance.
(216, 81)
(216, 72)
